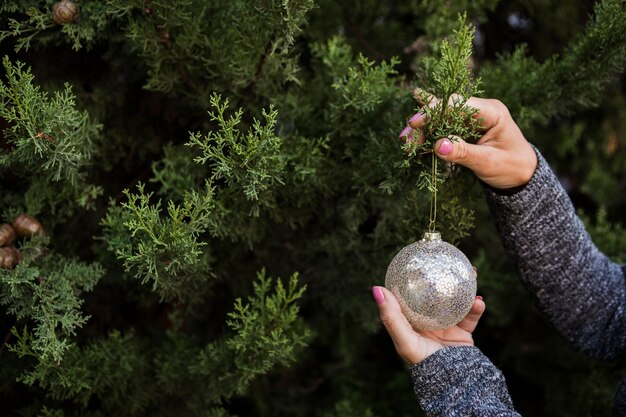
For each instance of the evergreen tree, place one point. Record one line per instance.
(180, 153)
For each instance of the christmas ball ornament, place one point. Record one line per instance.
(64, 12)
(433, 281)
(26, 225)
(7, 234)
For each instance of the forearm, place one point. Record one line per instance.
(461, 381)
(579, 288)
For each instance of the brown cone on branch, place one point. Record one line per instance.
(9, 257)
(64, 12)
(7, 234)
(26, 225)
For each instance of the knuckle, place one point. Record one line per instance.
(387, 322)
(461, 153)
(500, 108)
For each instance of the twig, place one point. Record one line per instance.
(46, 137)
(259, 69)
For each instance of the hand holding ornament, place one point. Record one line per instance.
(416, 345)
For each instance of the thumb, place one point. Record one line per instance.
(474, 157)
(406, 341)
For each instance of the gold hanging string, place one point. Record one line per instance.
(433, 195)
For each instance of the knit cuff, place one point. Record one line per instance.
(542, 184)
(456, 376)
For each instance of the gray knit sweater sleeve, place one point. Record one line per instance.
(459, 381)
(582, 292)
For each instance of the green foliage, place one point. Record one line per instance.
(346, 409)
(266, 334)
(537, 92)
(443, 14)
(445, 97)
(108, 370)
(363, 88)
(47, 291)
(609, 237)
(50, 142)
(40, 28)
(26, 30)
(203, 47)
(265, 331)
(447, 115)
(43, 138)
(250, 163)
(139, 299)
(165, 250)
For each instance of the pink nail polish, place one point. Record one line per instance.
(378, 295)
(406, 131)
(479, 297)
(416, 117)
(445, 148)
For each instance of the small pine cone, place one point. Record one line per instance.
(9, 257)
(7, 234)
(64, 11)
(26, 225)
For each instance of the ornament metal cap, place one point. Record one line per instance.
(431, 236)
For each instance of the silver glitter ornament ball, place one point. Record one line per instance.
(434, 283)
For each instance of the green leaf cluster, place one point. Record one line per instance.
(49, 143)
(165, 250)
(46, 295)
(266, 334)
(566, 83)
(234, 137)
(251, 163)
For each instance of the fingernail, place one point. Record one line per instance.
(479, 297)
(416, 117)
(378, 294)
(406, 131)
(445, 147)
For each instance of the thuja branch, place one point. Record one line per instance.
(444, 98)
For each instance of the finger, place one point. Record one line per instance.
(475, 157)
(470, 321)
(404, 337)
(489, 110)
(408, 135)
(419, 119)
(424, 98)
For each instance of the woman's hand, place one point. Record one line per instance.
(415, 346)
(502, 157)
